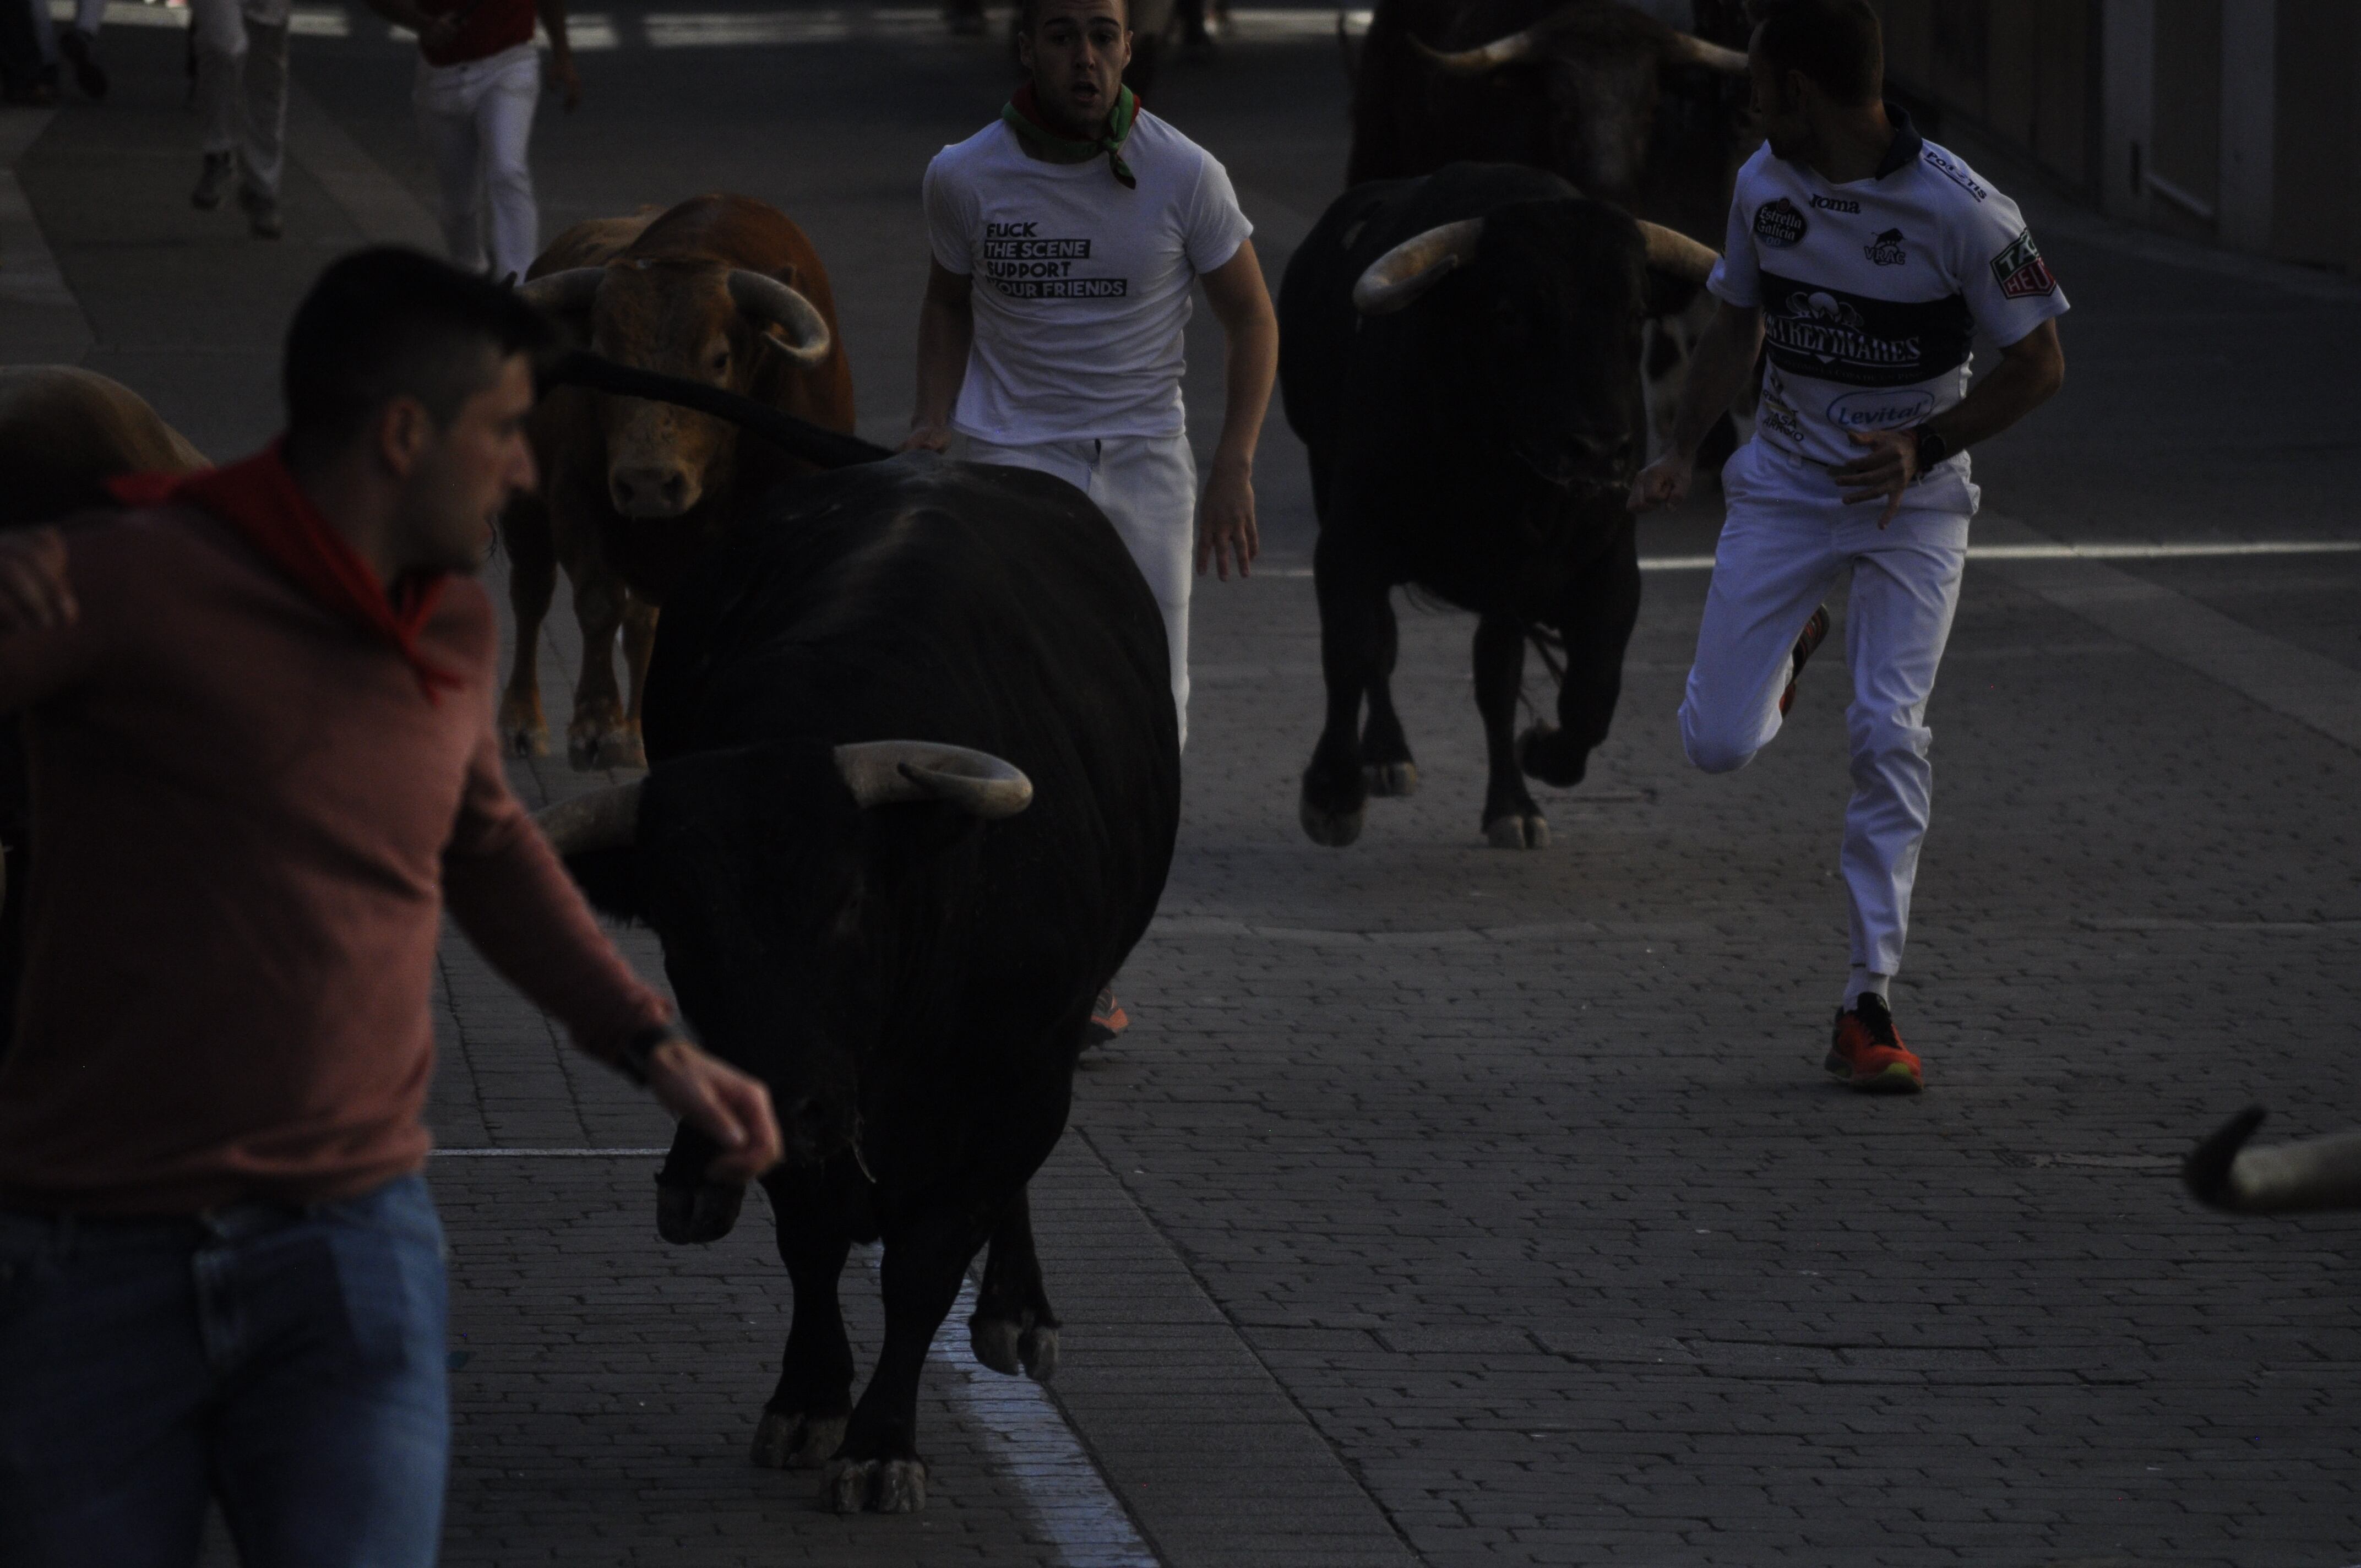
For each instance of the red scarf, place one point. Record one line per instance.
(260, 499)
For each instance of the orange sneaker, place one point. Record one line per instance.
(1107, 1019)
(1867, 1055)
(1815, 632)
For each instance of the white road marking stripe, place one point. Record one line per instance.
(1068, 1497)
(2041, 553)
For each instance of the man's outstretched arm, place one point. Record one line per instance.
(509, 892)
(946, 332)
(1717, 373)
(1226, 531)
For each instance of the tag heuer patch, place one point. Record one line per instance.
(1778, 224)
(2022, 274)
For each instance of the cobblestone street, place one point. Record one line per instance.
(1447, 1205)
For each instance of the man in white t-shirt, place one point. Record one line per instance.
(1867, 257)
(1066, 236)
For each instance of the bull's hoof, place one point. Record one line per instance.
(874, 1485)
(695, 1216)
(525, 741)
(1392, 778)
(1008, 1347)
(1518, 830)
(1333, 829)
(791, 1440)
(622, 748)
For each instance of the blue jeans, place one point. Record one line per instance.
(288, 1362)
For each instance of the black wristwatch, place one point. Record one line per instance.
(633, 1061)
(1932, 448)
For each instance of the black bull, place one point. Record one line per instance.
(1472, 430)
(910, 981)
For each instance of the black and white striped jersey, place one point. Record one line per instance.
(1871, 292)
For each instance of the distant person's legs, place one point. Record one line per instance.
(262, 129)
(504, 131)
(445, 100)
(20, 55)
(79, 44)
(217, 37)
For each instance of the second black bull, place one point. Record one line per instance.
(1460, 353)
(901, 938)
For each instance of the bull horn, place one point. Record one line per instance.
(765, 299)
(1686, 49)
(1675, 254)
(2278, 1178)
(885, 772)
(603, 819)
(1414, 265)
(1485, 58)
(571, 290)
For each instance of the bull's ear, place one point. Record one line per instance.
(609, 878)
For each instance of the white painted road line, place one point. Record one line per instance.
(2046, 552)
(1068, 1497)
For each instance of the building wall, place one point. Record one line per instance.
(2232, 121)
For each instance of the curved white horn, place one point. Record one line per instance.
(1414, 265)
(1485, 58)
(1684, 50)
(765, 299)
(571, 290)
(2316, 1173)
(603, 819)
(1671, 251)
(884, 772)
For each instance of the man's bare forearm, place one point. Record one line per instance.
(2029, 373)
(1250, 364)
(1717, 373)
(946, 332)
(552, 21)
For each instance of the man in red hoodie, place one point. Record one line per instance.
(258, 708)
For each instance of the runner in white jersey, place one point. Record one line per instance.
(1867, 257)
(1067, 236)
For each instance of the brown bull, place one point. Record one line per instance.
(722, 289)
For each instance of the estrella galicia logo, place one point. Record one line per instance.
(2021, 272)
(1778, 224)
(1886, 249)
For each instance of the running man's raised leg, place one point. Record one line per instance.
(1773, 567)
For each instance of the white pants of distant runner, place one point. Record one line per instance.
(477, 119)
(1786, 539)
(1147, 486)
(88, 15)
(241, 49)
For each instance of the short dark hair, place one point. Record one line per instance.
(1028, 15)
(1835, 43)
(387, 322)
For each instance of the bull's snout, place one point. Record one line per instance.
(652, 491)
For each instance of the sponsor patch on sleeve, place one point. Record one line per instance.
(1778, 224)
(2021, 272)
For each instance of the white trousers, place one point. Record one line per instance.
(1147, 486)
(88, 16)
(241, 49)
(477, 120)
(1781, 548)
